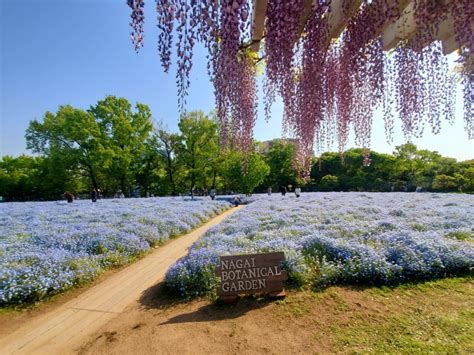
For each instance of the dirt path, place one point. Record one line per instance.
(66, 328)
(435, 317)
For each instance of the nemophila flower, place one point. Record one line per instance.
(47, 247)
(328, 238)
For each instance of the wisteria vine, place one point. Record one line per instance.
(282, 26)
(138, 19)
(463, 12)
(328, 86)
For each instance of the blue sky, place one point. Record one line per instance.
(55, 52)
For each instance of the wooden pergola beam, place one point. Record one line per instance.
(400, 29)
(405, 27)
(338, 20)
(258, 23)
(392, 33)
(450, 45)
(307, 6)
(446, 35)
(336, 17)
(258, 20)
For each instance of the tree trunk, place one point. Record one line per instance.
(123, 188)
(193, 182)
(92, 176)
(170, 175)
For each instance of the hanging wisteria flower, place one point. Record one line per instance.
(138, 19)
(328, 87)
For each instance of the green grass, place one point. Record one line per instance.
(434, 317)
(461, 235)
(402, 333)
(425, 317)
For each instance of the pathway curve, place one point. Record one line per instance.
(66, 328)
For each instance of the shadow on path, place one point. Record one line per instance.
(157, 298)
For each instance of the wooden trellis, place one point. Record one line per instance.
(392, 32)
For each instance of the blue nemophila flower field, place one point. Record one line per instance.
(369, 238)
(46, 247)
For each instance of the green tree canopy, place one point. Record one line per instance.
(280, 158)
(73, 140)
(198, 148)
(114, 146)
(244, 174)
(329, 182)
(124, 132)
(101, 144)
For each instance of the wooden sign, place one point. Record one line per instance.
(251, 274)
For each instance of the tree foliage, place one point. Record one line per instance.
(124, 133)
(244, 173)
(73, 140)
(197, 148)
(408, 169)
(281, 159)
(100, 144)
(115, 148)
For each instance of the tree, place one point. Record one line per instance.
(166, 145)
(147, 170)
(280, 158)
(468, 173)
(418, 167)
(352, 174)
(197, 149)
(124, 133)
(444, 183)
(461, 182)
(329, 182)
(244, 175)
(18, 177)
(73, 140)
(102, 144)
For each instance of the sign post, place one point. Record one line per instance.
(251, 274)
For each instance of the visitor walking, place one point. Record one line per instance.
(297, 191)
(69, 196)
(213, 193)
(269, 191)
(283, 190)
(94, 195)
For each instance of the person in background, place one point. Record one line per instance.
(213, 192)
(236, 200)
(269, 191)
(283, 190)
(94, 195)
(297, 191)
(69, 196)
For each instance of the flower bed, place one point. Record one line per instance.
(370, 238)
(46, 247)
